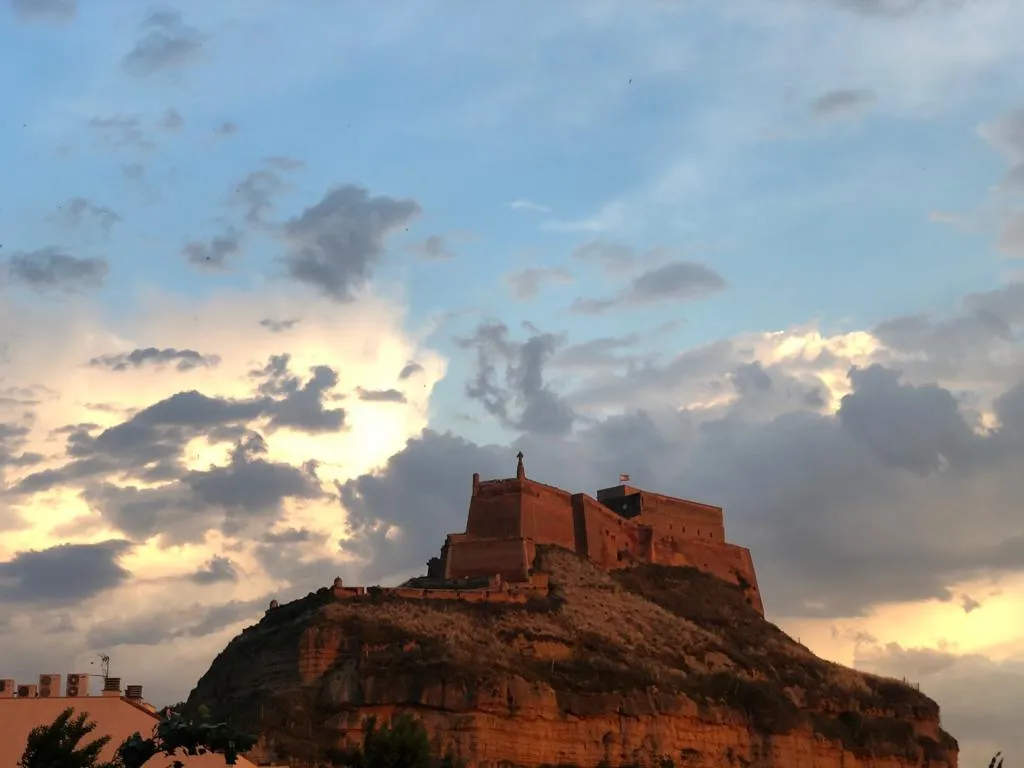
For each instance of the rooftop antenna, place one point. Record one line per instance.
(104, 664)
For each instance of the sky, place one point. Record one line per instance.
(277, 278)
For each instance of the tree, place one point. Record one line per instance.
(401, 744)
(57, 745)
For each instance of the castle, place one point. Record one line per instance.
(623, 526)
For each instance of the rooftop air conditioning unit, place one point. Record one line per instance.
(7, 688)
(78, 685)
(49, 686)
(27, 691)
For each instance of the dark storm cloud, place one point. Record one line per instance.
(75, 210)
(433, 248)
(149, 444)
(45, 10)
(63, 574)
(444, 464)
(675, 281)
(300, 405)
(840, 513)
(842, 102)
(520, 398)
(50, 269)
(212, 253)
(334, 245)
(279, 326)
(217, 570)
(167, 43)
(919, 429)
(247, 491)
(380, 395)
(184, 359)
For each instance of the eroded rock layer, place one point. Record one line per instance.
(622, 668)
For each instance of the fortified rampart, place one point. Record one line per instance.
(492, 561)
(623, 526)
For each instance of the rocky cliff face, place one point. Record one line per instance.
(610, 669)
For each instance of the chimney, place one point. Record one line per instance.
(133, 692)
(112, 686)
(476, 482)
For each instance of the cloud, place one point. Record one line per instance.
(521, 399)
(613, 257)
(847, 477)
(409, 370)
(133, 171)
(334, 244)
(526, 283)
(284, 163)
(675, 281)
(45, 10)
(185, 359)
(152, 629)
(50, 269)
(218, 569)
(75, 210)
(213, 253)
(433, 248)
(374, 502)
(894, 8)
(63, 574)
(842, 103)
(256, 191)
(279, 326)
(120, 132)
(171, 120)
(227, 128)
(167, 43)
(380, 395)
(1006, 136)
(528, 205)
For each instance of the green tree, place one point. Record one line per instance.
(403, 743)
(57, 745)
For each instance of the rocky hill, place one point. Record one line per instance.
(621, 668)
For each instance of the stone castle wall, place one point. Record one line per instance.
(621, 528)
